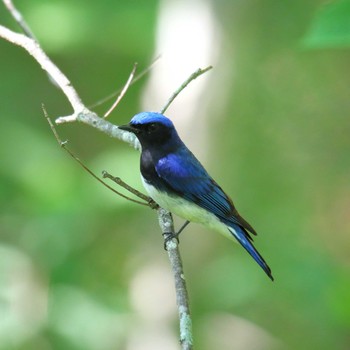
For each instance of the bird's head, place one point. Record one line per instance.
(153, 129)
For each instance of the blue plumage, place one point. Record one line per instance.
(177, 181)
(183, 173)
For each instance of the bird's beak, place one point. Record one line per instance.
(129, 128)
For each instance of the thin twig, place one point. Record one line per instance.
(63, 144)
(134, 80)
(193, 76)
(132, 190)
(123, 92)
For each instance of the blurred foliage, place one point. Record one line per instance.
(331, 27)
(73, 255)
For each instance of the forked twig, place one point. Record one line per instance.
(134, 80)
(63, 144)
(132, 190)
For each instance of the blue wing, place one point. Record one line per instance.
(185, 175)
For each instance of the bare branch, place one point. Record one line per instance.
(166, 224)
(93, 120)
(84, 115)
(123, 92)
(193, 76)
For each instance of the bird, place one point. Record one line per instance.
(176, 180)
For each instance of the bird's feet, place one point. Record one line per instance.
(169, 236)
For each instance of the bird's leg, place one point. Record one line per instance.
(181, 229)
(169, 235)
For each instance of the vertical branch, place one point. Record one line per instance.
(167, 225)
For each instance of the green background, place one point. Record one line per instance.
(73, 255)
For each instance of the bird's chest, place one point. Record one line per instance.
(148, 166)
(150, 175)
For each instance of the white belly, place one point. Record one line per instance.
(187, 210)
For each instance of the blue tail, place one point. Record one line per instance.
(244, 239)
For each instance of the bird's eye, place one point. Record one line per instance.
(153, 127)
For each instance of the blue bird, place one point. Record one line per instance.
(177, 181)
